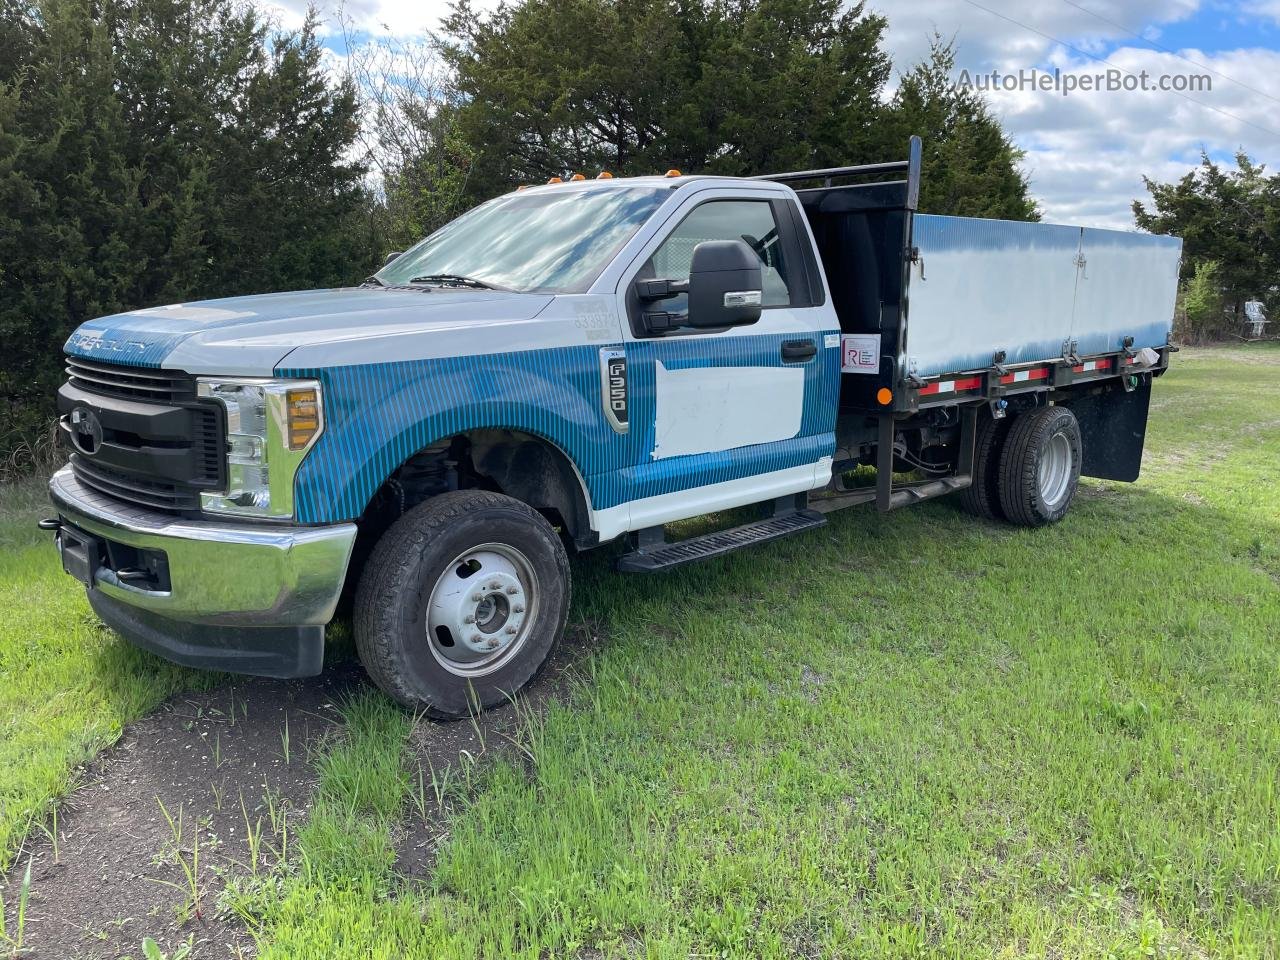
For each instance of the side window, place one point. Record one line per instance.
(748, 220)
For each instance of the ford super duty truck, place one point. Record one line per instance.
(575, 363)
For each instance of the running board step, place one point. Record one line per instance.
(657, 557)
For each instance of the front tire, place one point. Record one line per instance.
(461, 603)
(1040, 467)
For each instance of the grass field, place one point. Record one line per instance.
(901, 736)
(67, 684)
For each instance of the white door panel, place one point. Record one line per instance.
(708, 409)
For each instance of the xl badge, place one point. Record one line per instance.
(613, 388)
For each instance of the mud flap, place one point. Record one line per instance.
(1113, 426)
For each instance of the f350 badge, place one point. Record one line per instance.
(613, 387)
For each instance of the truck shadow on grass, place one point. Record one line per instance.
(215, 784)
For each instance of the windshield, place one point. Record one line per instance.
(531, 243)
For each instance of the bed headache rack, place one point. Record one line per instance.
(910, 166)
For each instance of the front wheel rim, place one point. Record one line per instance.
(1055, 469)
(481, 610)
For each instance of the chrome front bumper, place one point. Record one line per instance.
(240, 597)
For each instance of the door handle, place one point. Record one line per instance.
(798, 351)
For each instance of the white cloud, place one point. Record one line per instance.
(1087, 152)
(1008, 34)
(1264, 8)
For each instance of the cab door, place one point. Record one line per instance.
(744, 413)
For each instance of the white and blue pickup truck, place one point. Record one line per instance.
(575, 363)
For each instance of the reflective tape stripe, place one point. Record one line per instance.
(1021, 376)
(1091, 365)
(951, 386)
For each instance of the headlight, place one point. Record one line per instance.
(271, 424)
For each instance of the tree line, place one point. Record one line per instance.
(156, 151)
(1229, 222)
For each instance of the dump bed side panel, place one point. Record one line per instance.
(1128, 285)
(1029, 289)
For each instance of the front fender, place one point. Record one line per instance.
(379, 415)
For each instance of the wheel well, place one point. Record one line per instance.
(512, 462)
(518, 464)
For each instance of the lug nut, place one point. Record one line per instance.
(511, 631)
(468, 619)
(511, 591)
(477, 597)
(518, 608)
(476, 638)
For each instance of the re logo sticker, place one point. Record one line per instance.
(860, 353)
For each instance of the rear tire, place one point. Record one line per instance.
(461, 603)
(982, 497)
(1040, 467)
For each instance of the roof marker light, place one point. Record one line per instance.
(604, 175)
(673, 173)
(576, 177)
(555, 180)
(523, 186)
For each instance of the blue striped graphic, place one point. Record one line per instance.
(378, 415)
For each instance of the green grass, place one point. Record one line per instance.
(67, 684)
(902, 736)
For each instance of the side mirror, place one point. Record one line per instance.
(725, 289)
(391, 256)
(725, 285)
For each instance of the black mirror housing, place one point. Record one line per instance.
(391, 256)
(726, 288)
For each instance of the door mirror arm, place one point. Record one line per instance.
(649, 290)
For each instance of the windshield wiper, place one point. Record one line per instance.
(454, 280)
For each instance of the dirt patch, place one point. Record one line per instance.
(116, 875)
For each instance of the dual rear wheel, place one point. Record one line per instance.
(1026, 468)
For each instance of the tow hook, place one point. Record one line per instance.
(49, 523)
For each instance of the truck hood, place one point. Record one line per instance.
(251, 336)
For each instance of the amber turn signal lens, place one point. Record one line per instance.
(604, 175)
(673, 173)
(555, 180)
(885, 396)
(576, 177)
(304, 417)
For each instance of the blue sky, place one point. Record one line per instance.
(1086, 153)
